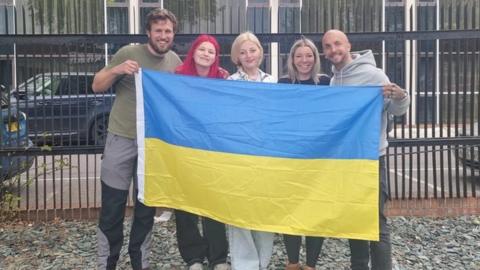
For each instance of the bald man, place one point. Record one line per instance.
(354, 69)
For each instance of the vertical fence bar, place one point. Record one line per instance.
(424, 152)
(53, 113)
(435, 107)
(403, 126)
(474, 130)
(79, 165)
(457, 112)
(464, 115)
(87, 142)
(441, 103)
(68, 48)
(419, 50)
(61, 48)
(450, 111)
(395, 152)
(412, 55)
(471, 82)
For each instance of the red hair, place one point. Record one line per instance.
(188, 65)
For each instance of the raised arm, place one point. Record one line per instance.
(105, 78)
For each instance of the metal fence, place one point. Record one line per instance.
(433, 153)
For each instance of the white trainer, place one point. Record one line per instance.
(222, 266)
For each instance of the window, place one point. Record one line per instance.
(59, 17)
(258, 3)
(6, 27)
(290, 3)
(258, 19)
(208, 16)
(459, 15)
(350, 16)
(426, 105)
(75, 84)
(85, 84)
(289, 16)
(117, 17)
(395, 50)
(35, 85)
(6, 17)
(145, 7)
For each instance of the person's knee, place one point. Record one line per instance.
(113, 205)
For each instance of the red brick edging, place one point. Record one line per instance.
(434, 207)
(411, 207)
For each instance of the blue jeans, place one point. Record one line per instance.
(380, 252)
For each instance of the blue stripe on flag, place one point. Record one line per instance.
(276, 120)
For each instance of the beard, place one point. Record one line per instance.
(159, 50)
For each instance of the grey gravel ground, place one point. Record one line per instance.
(418, 243)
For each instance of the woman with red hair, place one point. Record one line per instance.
(202, 60)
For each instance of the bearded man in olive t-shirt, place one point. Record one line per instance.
(120, 154)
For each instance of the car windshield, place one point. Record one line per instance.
(40, 84)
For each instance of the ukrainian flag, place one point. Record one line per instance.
(283, 158)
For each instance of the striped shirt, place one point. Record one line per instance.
(240, 75)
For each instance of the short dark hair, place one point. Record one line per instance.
(160, 14)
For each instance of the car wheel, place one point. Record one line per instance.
(98, 130)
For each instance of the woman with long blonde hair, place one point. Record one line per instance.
(303, 68)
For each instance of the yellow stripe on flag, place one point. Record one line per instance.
(317, 197)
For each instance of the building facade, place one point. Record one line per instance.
(421, 66)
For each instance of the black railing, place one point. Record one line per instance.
(434, 148)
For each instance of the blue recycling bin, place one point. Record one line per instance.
(13, 136)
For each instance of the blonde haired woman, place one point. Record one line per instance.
(303, 68)
(247, 55)
(304, 64)
(249, 249)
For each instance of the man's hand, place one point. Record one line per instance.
(126, 68)
(393, 91)
(105, 78)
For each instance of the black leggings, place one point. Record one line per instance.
(313, 246)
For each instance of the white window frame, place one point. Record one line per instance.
(411, 62)
(274, 53)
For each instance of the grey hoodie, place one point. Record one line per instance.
(363, 71)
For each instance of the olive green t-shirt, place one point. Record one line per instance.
(122, 119)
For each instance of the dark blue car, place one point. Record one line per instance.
(62, 108)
